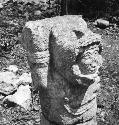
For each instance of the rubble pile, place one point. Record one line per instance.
(14, 87)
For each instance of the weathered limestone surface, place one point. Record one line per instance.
(22, 97)
(64, 57)
(14, 88)
(10, 81)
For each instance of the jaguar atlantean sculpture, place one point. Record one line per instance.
(64, 58)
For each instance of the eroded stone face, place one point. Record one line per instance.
(70, 51)
(64, 57)
(91, 60)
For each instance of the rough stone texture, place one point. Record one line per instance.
(13, 68)
(101, 23)
(10, 81)
(64, 57)
(6, 80)
(22, 97)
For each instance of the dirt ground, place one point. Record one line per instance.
(108, 97)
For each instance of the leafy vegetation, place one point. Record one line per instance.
(13, 16)
(91, 8)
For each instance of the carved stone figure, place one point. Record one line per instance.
(64, 58)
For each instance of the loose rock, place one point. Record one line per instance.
(9, 81)
(37, 13)
(25, 78)
(101, 23)
(22, 97)
(1, 5)
(6, 82)
(13, 68)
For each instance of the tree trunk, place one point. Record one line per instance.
(64, 8)
(70, 7)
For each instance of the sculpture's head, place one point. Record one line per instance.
(76, 55)
(62, 44)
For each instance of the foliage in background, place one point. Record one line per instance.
(13, 15)
(91, 8)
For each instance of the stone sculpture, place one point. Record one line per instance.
(64, 58)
